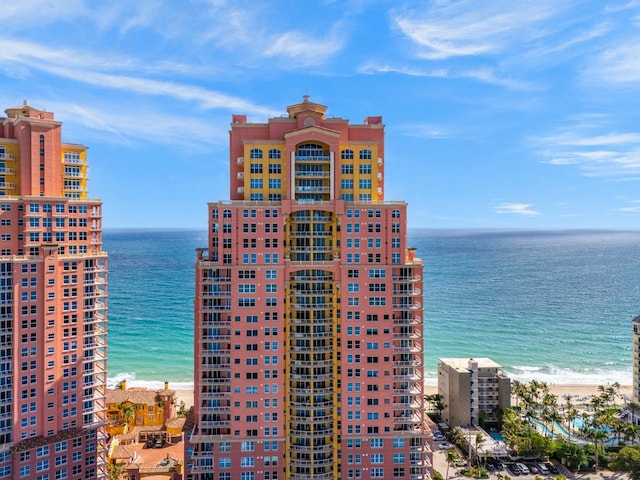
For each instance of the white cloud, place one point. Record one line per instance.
(618, 65)
(485, 75)
(517, 208)
(464, 28)
(431, 131)
(123, 127)
(303, 49)
(69, 64)
(612, 155)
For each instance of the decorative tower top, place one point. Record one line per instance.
(306, 107)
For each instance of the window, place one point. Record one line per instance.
(275, 153)
(256, 183)
(255, 153)
(346, 184)
(365, 169)
(365, 154)
(347, 169)
(275, 183)
(346, 154)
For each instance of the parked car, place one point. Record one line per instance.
(150, 442)
(438, 437)
(523, 468)
(542, 468)
(445, 446)
(514, 469)
(159, 443)
(552, 468)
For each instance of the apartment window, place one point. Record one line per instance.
(275, 183)
(275, 168)
(275, 153)
(365, 169)
(347, 169)
(346, 155)
(255, 153)
(365, 154)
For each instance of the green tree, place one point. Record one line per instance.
(115, 471)
(452, 457)
(128, 412)
(627, 460)
(630, 433)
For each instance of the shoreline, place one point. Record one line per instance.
(580, 394)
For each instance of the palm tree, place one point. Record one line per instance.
(570, 413)
(452, 457)
(115, 470)
(128, 412)
(479, 440)
(631, 432)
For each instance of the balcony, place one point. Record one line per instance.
(7, 156)
(7, 171)
(301, 173)
(310, 189)
(313, 158)
(7, 185)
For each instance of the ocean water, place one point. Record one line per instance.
(552, 305)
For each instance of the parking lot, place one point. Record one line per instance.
(440, 448)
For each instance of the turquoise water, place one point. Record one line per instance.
(555, 306)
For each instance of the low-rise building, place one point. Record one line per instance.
(140, 410)
(474, 391)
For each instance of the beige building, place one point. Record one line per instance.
(474, 391)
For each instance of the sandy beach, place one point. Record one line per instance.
(579, 393)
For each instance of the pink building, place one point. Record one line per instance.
(52, 305)
(308, 312)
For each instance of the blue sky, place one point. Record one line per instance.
(499, 114)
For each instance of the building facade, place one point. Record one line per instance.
(474, 391)
(636, 360)
(308, 312)
(53, 276)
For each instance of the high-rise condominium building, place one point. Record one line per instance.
(635, 336)
(308, 312)
(52, 305)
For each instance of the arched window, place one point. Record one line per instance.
(365, 154)
(275, 153)
(226, 214)
(255, 153)
(395, 214)
(347, 154)
(311, 150)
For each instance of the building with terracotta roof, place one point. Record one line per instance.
(53, 290)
